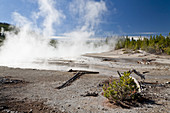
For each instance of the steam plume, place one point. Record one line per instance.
(32, 42)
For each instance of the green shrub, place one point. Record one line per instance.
(121, 90)
(151, 50)
(167, 50)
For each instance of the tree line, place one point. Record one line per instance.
(155, 44)
(5, 27)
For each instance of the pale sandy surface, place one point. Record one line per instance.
(40, 84)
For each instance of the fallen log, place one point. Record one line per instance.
(83, 71)
(146, 61)
(137, 73)
(119, 74)
(7, 80)
(76, 76)
(145, 72)
(67, 83)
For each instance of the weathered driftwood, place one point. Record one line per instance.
(137, 73)
(83, 71)
(7, 80)
(76, 76)
(146, 61)
(119, 74)
(145, 72)
(67, 83)
(94, 94)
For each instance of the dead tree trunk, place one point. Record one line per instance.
(67, 83)
(137, 73)
(83, 71)
(76, 76)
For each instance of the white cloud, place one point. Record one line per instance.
(147, 33)
(89, 12)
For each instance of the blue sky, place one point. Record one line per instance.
(123, 17)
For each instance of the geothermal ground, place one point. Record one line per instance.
(34, 90)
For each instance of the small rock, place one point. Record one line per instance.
(104, 109)
(62, 110)
(30, 111)
(53, 111)
(150, 86)
(7, 110)
(168, 82)
(69, 105)
(149, 106)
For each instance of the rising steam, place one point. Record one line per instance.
(31, 42)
